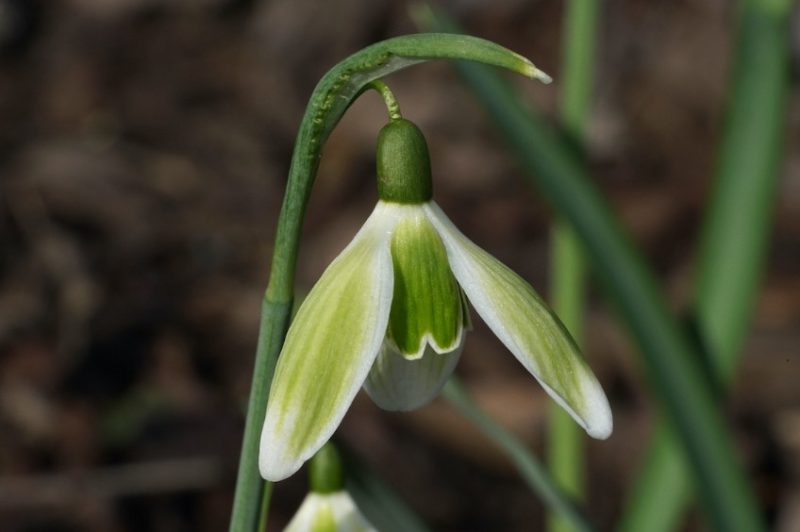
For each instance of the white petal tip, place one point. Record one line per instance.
(275, 462)
(329, 511)
(597, 419)
(601, 429)
(275, 470)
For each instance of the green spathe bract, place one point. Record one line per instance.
(333, 95)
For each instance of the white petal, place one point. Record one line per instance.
(399, 383)
(329, 349)
(331, 511)
(527, 327)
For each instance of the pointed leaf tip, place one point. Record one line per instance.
(542, 76)
(532, 71)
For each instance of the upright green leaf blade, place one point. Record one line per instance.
(735, 236)
(672, 362)
(565, 448)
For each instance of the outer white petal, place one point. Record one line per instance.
(334, 512)
(399, 383)
(329, 349)
(527, 327)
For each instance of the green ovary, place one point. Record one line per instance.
(427, 298)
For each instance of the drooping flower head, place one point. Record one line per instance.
(328, 507)
(390, 314)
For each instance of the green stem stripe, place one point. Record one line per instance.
(733, 247)
(335, 92)
(673, 363)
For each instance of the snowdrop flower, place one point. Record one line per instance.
(328, 512)
(328, 507)
(390, 314)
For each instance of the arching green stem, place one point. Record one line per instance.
(335, 92)
(388, 98)
(331, 98)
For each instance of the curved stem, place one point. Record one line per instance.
(331, 98)
(334, 93)
(388, 98)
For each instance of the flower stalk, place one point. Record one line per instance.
(392, 107)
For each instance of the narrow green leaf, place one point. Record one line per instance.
(735, 237)
(672, 362)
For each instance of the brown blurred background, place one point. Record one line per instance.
(144, 146)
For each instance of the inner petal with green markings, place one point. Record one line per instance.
(427, 305)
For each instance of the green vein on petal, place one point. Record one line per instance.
(426, 307)
(329, 350)
(527, 327)
(323, 520)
